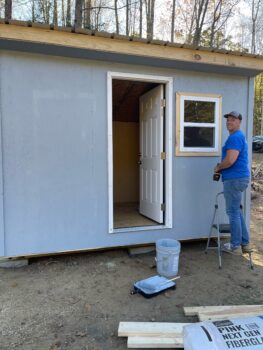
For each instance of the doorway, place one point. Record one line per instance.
(138, 144)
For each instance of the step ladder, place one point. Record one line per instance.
(221, 229)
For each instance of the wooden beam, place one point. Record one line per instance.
(154, 342)
(108, 45)
(151, 329)
(194, 310)
(233, 313)
(227, 316)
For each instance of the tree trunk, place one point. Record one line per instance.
(255, 9)
(116, 16)
(189, 36)
(68, 16)
(149, 4)
(8, 9)
(200, 17)
(173, 19)
(134, 19)
(97, 17)
(78, 13)
(127, 16)
(87, 14)
(216, 17)
(55, 13)
(33, 11)
(152, 18)
(45, 10)
(141, 4)
(63, 13)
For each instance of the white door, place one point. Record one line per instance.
(151, 148)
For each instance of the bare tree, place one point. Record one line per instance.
(116, 16)
(199, 17)
(78, 13)
(172, 20)
(87, 13)
(149, 6)
(216, 16)
(44, 7)
(221, 11)
(140, 26)
(258, 106)
(2, 8)
(55, 12)
(127, 16)
(97, 25)
(8, 9)
(33, 11)
(63, 18)
(254, 15)
(68, 15)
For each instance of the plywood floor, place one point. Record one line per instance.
(127, 215)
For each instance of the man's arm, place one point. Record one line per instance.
(229, 160)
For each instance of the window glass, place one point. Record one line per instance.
(199, 111)
(199, 137)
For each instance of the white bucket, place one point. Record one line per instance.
(167, 257)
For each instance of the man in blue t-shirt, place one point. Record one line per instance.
(235, 177)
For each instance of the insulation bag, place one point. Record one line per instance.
(152, 286)
(237, 333)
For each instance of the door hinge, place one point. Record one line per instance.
(163, 155)
(163, 207)
(163, 102)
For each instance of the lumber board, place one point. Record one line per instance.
(150, 329)
(194, 310)
(154, 342)
(55, 37)
(229, 315)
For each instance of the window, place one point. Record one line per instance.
(198, 126)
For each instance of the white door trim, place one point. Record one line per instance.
(168, 81)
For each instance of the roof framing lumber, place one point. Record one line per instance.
(126, 46)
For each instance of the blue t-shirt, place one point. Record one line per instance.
(239, 169)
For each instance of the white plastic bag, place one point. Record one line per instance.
(237, 333)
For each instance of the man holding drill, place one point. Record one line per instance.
(235, 176)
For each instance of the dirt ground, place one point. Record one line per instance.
(77, 301)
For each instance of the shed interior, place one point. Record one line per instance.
(126, 148)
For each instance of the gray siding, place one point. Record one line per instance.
(55, 156)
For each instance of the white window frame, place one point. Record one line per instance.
(181, 97)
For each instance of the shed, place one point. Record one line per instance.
(111, 141)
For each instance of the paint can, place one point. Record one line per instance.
(167, 257)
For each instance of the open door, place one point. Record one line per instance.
(151, 154)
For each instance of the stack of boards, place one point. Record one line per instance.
(170, 335)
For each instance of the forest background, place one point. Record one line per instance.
(235, 25)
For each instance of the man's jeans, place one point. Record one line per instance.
(233, 194)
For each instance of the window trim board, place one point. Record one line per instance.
(180, 150)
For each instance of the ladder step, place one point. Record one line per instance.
(223, 228)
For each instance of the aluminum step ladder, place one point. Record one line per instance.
(221, 229)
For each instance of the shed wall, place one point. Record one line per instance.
(55, 159)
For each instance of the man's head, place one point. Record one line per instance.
(234, 114)
(233, 121)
